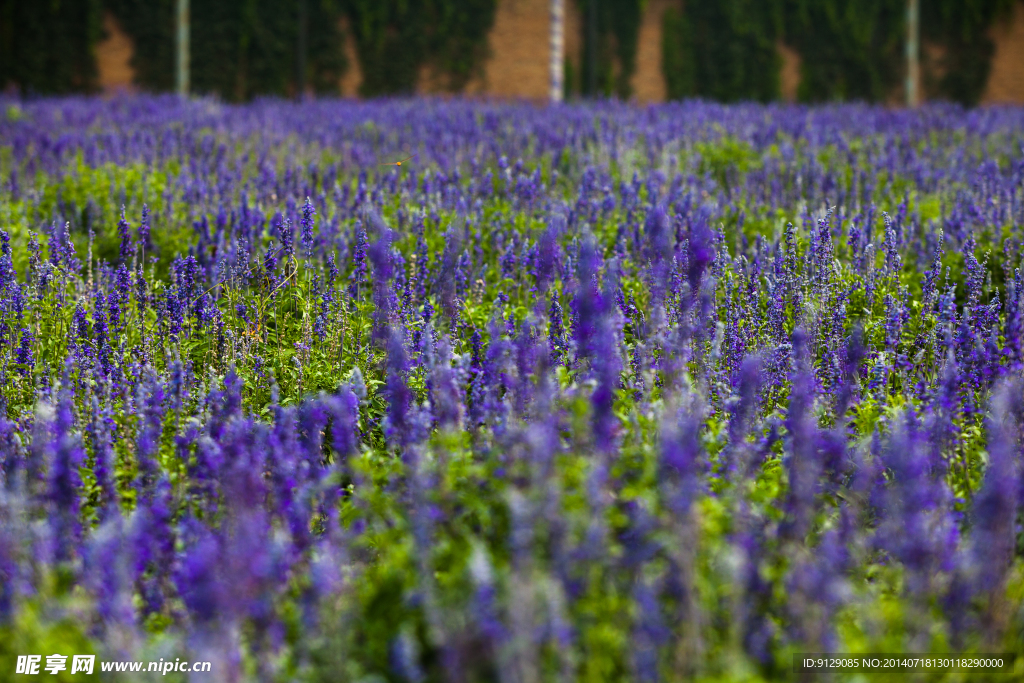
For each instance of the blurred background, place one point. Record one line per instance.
(890, 51)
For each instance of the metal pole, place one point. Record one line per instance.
(592, 57)
(913, 63)
(557, 63)
(301, 61)
(182, 48)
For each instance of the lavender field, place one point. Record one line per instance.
(582, 393)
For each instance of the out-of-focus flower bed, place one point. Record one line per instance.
(582, 393)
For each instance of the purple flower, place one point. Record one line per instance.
(916, 528)
(99, 324)
(446, 397)
(344, 412)
(995, 506)
(759, 632)
(11, 452)
(802, 460)
(154, 541)
(144, 228)
(701, 253)
(68, 456)
(62, 249)
(270, 263)
(682, 461)
(108, 569)
(397, 392)
(649, 633)
(23, 356)
(103, 458)
(150, 429)
(9, 569)
(198, 575)
(484, 600)
(358, 260)
(286, 236)
(556, 333)
(125, 232)
(306, 227)
(380, 256)
(8, 275)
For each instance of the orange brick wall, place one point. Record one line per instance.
(648, 82)
(1006, 80)
(114, 58)
(518, 64)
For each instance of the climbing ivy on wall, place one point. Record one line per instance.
(854, 49)
(960, 27)
(394, 38)
(850, 49)
(722, 49)
(610, 32)
(46, 47)
(151, 27)
(239, 48)
(242, 48)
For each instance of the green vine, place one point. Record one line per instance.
(394, 38)
(46, 47)
(610, 32)
(243, 48)
(239, 48)
(721, 49)
(960, 27)
(850, 49)
(151, 27)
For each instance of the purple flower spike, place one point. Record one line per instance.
(67, 456)
(125, 232)
(306, 227)
(995, 506)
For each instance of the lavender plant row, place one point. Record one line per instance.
(583, 393)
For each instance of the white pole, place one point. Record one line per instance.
(183, 48)
(557, 63)
(913, 62)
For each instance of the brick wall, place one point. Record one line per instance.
(1006, 80)
(648, 82)
(518, 63)
(114, 58)
(517, 66)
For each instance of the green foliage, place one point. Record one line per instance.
(719, 49)
(239, 48)
(677, 57)
(854, 49)
(45, 626)
(723, 50)
(394, 38)
(46, 47)
(726, 159)
(850, 49)
(960, 27)
(243, 48)
(610, 29)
